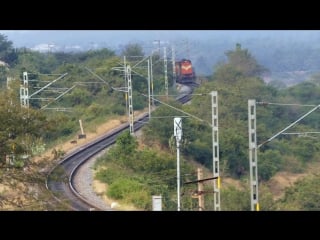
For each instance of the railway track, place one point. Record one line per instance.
(60, 180)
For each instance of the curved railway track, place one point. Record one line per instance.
(60, 180)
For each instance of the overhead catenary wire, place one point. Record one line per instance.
(184, 116)
(179, 110)
(289, 126)
(300, 133)
(96, 75)
(286, 104)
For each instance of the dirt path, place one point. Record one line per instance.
(90, 136)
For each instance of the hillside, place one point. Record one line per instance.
(92, 86)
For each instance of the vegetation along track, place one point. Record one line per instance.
(60, 180)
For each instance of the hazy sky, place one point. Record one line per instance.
(204, 47)
(29, 38)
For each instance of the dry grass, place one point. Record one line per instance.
(282, 180)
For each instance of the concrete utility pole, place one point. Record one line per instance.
(178, 134)
(9, 79)
(82, 135)
(200, 190)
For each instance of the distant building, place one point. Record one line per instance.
(2, 63)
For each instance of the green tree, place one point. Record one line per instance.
(20, 127)
(79, 96)
(132, 52)
(270, 162)
(243, 62)
(7, 52)
(126, 144)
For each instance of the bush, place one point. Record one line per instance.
(130, 191)
(269, 162)
(118, 109)
(123, 187)
(235, 200)
(108, 175)
(93, 110)
(141, 199)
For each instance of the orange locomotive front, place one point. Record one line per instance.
(184, 71)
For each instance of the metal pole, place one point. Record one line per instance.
(151, 80)
(253, 156)
(24, 91)
(149, 97)
(125, 82)
(215, 150)
(128, 73)
(178, 134)
(165, 71)
(173, 68)
(178, 174)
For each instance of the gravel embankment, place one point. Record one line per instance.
(84, 178)
(83, 184)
